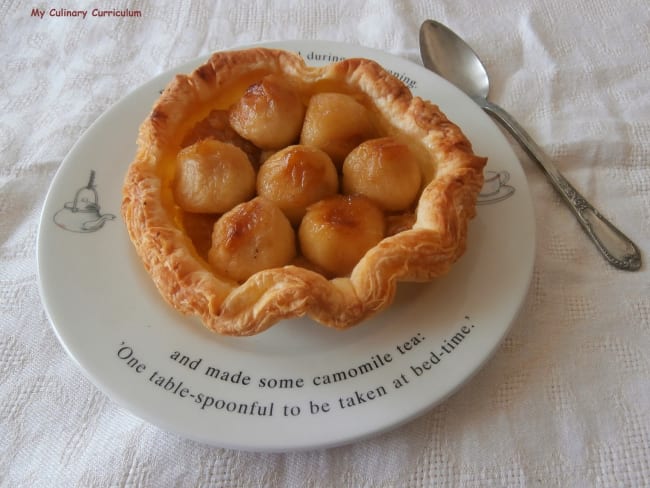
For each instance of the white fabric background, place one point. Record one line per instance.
(566, 399)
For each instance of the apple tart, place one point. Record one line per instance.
(263, 189)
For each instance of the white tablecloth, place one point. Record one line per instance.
(565, 401)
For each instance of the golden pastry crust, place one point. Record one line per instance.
(452, 178)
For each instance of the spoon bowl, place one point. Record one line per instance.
(448, 55)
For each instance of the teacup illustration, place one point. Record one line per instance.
(495, 187)
(82, 213)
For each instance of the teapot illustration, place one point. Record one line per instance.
(82, 213)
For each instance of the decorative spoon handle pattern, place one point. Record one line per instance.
(617, 248)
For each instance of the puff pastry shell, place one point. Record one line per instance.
(432, 239)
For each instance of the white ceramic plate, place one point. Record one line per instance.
(298, 385)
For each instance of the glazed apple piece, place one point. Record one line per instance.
(212, 177)
(252, 237)
(336, 123)
(269, 114)
(336, 232)
(386, 171)
(295, 177)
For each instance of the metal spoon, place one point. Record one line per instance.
(446, 54)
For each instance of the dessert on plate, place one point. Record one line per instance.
(264, 189)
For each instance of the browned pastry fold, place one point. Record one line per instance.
(452, 178)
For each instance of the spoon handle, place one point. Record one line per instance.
(618, 249)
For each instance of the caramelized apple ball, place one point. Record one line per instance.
(336, 123)
(212, 177)
(296, 177)
(251, 237)
(385, 170)
(269, 114)
(336, 232)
